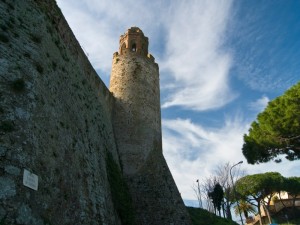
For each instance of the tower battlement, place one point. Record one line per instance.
(134, 42)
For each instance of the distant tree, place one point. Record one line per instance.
(292, 186)
(244, 207)
(222, 177)
(276, 130)
(217, 196)
(255, 188)
(206, 187)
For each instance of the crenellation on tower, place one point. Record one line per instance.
(134, 41)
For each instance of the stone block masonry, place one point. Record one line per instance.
(135, 86)
(56, 122)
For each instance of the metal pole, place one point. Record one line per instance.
(237, 202)
(199, 193)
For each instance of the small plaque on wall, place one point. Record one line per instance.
(30, 180)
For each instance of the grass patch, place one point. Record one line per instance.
(203, 217)
(120, 192)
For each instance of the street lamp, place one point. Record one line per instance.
(199, 197)
(237, 202)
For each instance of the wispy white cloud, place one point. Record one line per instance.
(259, 104)
(195, 56)
(193, 151)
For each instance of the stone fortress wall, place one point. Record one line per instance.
(56, 122)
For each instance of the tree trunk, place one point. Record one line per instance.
(259, 212)
(268, 214)
(228, 212)
(281, 200)
(294, 206)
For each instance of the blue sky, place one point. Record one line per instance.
(220, 63)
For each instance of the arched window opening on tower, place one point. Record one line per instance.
(133, 48)
(123, 48)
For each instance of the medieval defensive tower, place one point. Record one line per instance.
(136, 119)
(135, 85)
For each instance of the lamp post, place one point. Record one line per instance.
(199, 197)
(235, 191)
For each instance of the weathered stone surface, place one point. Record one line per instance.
(25, 216)
(2, 213)
(2, 151)
(135, 85)
(7, 188)
(12, 170)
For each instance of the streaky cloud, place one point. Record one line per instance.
(193, 151)
(259, 104)
(196, 56)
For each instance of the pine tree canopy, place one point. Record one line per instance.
(276, 130)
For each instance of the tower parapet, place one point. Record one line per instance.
(134, 41)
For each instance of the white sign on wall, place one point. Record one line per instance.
(30, 180)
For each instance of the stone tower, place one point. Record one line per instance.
(135, 85)
(136, 121)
